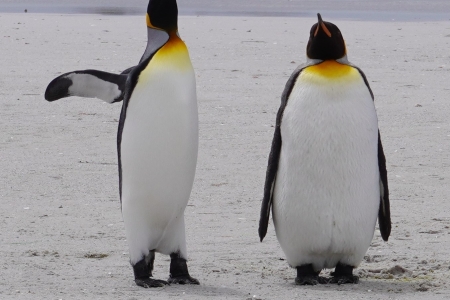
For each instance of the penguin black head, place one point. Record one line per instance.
(162, 14)
(325, 41)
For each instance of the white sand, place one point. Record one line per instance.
(59, 194)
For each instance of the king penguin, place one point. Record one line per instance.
(157, 142)
(326, 178)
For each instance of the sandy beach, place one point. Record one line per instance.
(62, 234)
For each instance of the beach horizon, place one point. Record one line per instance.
(434, 10)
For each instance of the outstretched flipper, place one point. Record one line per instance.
(127, 71)
(106, 86)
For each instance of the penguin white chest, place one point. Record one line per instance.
(326, 194)
(159, 148)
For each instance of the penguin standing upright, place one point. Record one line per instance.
(157, 142)
(326, 178)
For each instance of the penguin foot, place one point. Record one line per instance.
(310, 280)
(184, 279)
(343, 274)
(344, 279)
(143, 271)
(150, 283)
(307, 276)
(179, 273)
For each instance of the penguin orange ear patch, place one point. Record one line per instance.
(149, 23)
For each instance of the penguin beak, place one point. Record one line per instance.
(321, 24)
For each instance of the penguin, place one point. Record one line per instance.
(157, 142)
(326, 179)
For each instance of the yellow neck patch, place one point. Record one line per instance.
(330, 70)
(173, 45)
(173, 55)
(174, 52)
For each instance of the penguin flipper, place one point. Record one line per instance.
(127, 71)
(384, 212)
(274, 156)
(269, 185)
(106, 86)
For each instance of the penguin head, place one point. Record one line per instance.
(163, 15)
(325, 41)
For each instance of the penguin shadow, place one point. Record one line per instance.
(205, 290)
(202, 290)
(366, 285)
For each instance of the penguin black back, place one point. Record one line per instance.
(325, 41)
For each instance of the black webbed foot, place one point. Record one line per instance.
(184, 279)
(150, 283)
(311, 280)
(143, 271)
(307, 276)
(179, 273)
(344, 279)
(343, 274)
